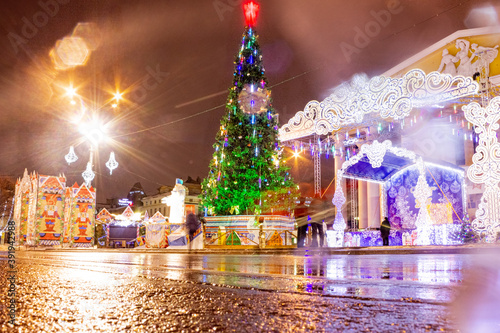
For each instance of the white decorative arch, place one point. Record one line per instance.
(388, 97)
(375, 153)
(486, 166)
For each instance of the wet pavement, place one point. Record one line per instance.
(147, 292)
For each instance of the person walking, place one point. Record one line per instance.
(192, 225)
(301, 214)
(317, 217)
(385, 229)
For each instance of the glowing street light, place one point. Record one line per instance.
(71, 92)
(117, 98)
(95, 132)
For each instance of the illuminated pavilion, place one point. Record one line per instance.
(416, 144)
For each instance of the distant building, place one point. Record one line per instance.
(136, 194)
(118, 205)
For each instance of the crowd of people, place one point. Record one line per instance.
(311, 215)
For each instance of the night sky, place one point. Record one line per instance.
(167, 130)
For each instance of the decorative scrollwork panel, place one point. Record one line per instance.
(486, 166)
(388, 97)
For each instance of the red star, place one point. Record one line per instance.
(251, 10)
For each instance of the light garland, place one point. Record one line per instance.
(388, 97)
(364, 179)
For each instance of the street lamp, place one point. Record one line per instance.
(95, 132)
(117, 98)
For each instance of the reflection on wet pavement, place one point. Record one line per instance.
(70, 299)
(427, 278)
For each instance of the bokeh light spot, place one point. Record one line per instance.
(72, 51)
(89, 33)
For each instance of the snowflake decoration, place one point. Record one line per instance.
(376, 152)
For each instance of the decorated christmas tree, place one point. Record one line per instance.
(466, 233)
(247, 174)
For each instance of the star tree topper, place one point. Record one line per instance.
(251, 11)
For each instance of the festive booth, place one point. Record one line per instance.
(162, 234)
(47, 213)
(250, 231)
(424, 201)
(102, 220)
(123, 230)
(173, 233)
(118, 230)
(156, 236)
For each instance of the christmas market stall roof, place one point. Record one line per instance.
(391, 165)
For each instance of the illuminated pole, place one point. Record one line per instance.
(373, 204)
(94, 132)
(362, 205)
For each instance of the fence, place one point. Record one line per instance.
(250, 232)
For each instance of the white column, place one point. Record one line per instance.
(338, 165)
(373, 198)
(383, 202)
(362, 204)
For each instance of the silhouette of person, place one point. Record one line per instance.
(192, 225)
(385, 229)
(317, 213)
(301, 213)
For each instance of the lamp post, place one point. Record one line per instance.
(94, 131)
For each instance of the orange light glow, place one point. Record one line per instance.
(70, 91)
